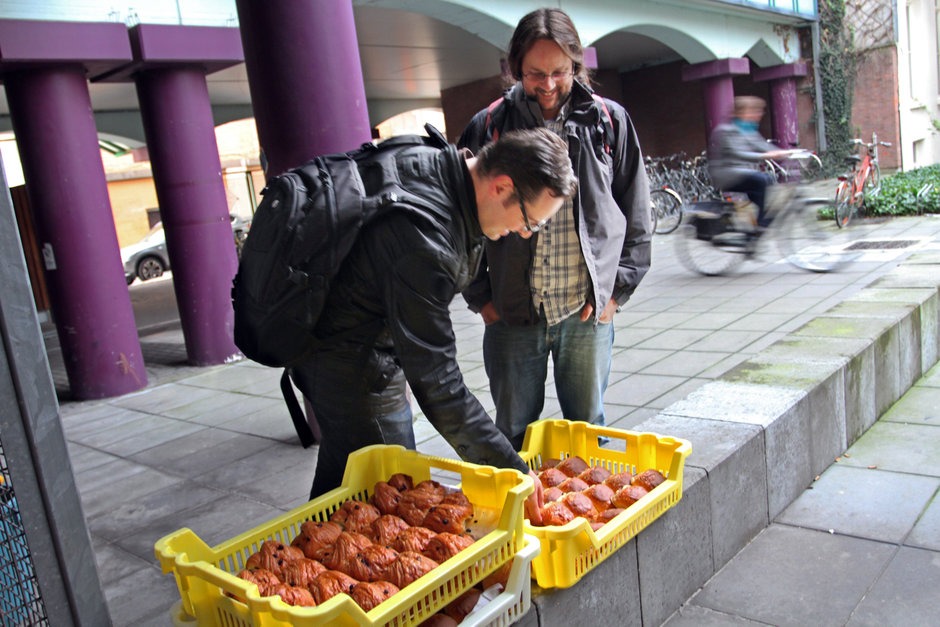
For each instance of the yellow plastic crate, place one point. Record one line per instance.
(504, 609)
(573, 549)
(203, 574)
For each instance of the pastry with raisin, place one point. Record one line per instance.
(407, 567)
(445, 545)
(329, 583)
(369, 594)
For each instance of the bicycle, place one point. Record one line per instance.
(717, 236)
(666, 210)
(863, 181)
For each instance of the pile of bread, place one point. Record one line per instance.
(573, 489)
(368, 550)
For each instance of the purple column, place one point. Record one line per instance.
(783, 108)
(717, 85)
(55, 131)
(177, 116)
(305, 78)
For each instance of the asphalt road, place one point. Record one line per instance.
(154, 304)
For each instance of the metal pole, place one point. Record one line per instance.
(38, 475)
(821, 143)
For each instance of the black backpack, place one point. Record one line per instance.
(306, 224)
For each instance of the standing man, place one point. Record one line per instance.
(387, 317)
(556, 292)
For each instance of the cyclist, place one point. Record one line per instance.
(736, 150)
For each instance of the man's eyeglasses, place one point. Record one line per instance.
(527, 224)
(539, 77)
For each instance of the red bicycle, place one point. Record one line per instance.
(864, 180)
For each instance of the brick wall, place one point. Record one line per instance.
(875, 103)
(460, 103)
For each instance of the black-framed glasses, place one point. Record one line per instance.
(539, 77)
(527, 224)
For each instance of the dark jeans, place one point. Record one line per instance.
(357, 404)
(516, 360)
(755, 186)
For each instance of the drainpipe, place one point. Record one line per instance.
(821, 144)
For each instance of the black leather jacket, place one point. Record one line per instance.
(390, 302)
(612, 206)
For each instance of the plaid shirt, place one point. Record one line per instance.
(559, 277)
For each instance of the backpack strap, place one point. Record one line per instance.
(489, 117)
(304, 432)
(606, 120)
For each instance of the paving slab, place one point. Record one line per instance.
(140, 596)
(926, 533)
(899, 447)
(640, 389)
(108, 486)
(931, 377)
(135, 514)
(214, 523)
(908, 593)
(918, 406)
(675, 339)
(202, 452)
(162, 398)
(697, 616)
(790, 577)
(278, 465)
(841, 501)
(636, 359)
(114, 563)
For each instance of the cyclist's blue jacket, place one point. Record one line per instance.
(612, 205)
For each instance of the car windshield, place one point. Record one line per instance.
(155, 234)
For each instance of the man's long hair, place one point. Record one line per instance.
(553, 24)
(534, 159)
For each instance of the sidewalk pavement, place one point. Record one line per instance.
(213, 449)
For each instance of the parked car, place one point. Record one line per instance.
(148, 259)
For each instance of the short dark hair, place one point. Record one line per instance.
(553, 24)
(535, 159)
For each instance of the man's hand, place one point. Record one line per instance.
(535, 502)
(606, 316)
(489, 313)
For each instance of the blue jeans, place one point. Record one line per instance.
(516, 360)
(356, 404)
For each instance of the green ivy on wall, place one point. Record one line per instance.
(836, 67)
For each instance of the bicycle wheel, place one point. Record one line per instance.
(811, 243)
(667, 210)
(709, 245)
(873, 180)
(845, 204)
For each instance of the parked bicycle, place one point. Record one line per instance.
(717, 236)
(864, 181)
(666, 210)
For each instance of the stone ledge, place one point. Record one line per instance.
(760, 434)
